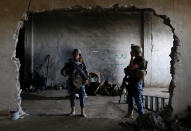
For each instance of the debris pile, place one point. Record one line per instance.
(92, 88)
(184, 120)
(150, 121)
(108, 89)
(93, 85)
(159, 122)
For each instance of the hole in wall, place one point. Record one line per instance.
(97, 10)
(17, 58)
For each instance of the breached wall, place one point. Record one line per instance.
(103, 38)
(11, 12)
(158, 41)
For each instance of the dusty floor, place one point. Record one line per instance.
(61, 123)
(55, 102)
(48, 112)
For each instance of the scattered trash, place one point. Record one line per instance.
(94, 77)
(91, 88)
(14, 115)
(59, 86)
(93, 83)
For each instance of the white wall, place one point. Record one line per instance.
(158, 43)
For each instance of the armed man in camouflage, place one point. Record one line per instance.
(77, 74)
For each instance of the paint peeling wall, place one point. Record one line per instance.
(11, 12)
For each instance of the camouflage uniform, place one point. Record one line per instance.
(69, 68)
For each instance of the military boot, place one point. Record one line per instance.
(73, 112)
(83, 114)
(129, 115)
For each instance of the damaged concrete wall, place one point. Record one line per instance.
(11, 12)
(104, 40)
(158, 41)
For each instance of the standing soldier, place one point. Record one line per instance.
(136, 72)
(77, 74)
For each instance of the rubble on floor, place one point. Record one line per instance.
(92, 88)
(159, 122)
(184, 119)
(150, 121)
(61, 123)
(109, 89)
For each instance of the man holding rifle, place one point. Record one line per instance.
(134, 75)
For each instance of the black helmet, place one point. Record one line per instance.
(76, 51)
(135, 48)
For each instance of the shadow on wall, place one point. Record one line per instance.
(104, 39)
